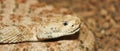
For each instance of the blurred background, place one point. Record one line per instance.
(101, 16)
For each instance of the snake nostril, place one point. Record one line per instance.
(72, 25)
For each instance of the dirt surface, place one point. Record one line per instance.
(101, 16)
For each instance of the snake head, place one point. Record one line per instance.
(57, 26)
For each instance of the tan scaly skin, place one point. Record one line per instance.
(23, 22)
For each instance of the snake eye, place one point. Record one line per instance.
(65, 23)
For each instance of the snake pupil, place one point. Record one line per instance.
(65, 23)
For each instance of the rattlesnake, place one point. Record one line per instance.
(22, 20)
